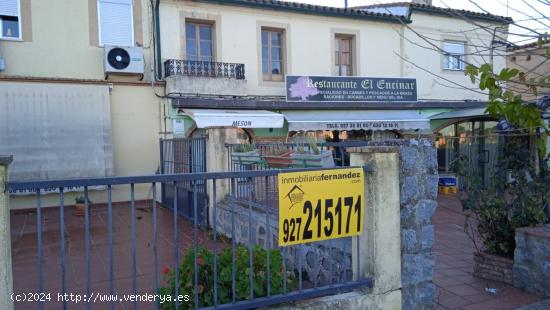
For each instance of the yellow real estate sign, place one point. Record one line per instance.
(320, 205)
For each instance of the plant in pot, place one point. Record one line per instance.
(278, 156)
(245, 154)
(79, 205)
(516, 199)
(312, 157)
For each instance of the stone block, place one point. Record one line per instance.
(521, 277)
(409, 160)
(409, 189)
(411, 269)
(432, 183)
(408, 217)
(425, 210)
(408, 240)
(428, 236)
(426, 293)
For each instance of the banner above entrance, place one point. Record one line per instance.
(205, 118)
(356, 120)
(349, 89)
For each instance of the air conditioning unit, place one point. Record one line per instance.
(125, 60)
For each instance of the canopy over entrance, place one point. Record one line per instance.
(205, 118)
(462, 113)
(356, 120)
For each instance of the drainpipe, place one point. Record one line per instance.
(157, 40)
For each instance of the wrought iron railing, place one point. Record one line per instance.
(203, 69)
(214, 248)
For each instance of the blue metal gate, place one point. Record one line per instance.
(184, 155)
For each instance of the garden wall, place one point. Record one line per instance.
(531, 269)
(418, 181)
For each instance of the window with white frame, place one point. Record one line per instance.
(453, 58)
(116, 22)
(10, 19)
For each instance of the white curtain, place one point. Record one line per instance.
(56, 131)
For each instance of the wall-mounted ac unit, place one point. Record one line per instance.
(126, 60)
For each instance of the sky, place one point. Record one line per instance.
(519, 10)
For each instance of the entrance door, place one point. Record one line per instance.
(184, 155)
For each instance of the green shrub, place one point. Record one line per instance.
(243, 148)
(517, 198)
(242, 282)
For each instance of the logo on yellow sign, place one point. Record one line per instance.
(320, 205)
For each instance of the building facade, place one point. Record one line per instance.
(217, 68)
(262, 42)
(60, 115)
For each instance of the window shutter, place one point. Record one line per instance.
(9, 8)
(115, 17)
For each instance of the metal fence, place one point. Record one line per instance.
(184, 155)
(231, 268)
(203, 69)
(251, 191)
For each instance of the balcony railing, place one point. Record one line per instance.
(203, 69)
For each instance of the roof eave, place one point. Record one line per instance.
(310, 11)
(494, 19)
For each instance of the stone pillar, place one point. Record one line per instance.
(217, 159)
(380, 244)
(6, 277)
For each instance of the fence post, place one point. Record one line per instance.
(6, 277)
(380, 244)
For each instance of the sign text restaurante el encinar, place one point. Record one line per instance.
(344, 88)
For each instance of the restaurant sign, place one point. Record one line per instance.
(349, 89)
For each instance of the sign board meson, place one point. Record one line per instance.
(320, 205)
(349, 89)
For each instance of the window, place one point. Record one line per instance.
(272, 55)
(198, 41)
(453, 58)
(343, 55)
(10, 21)
(116, 25)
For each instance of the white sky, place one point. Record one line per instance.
(519, 10)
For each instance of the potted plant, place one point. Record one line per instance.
(79, 205)
(312, 157)
(516, 199)
(245, 154)
(278, 156)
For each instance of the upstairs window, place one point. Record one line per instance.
(198, 41)
(453, 58)
(10, 21)
(116, 22)
(272, 55)
(343, 55)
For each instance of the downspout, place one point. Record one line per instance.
(157, 40)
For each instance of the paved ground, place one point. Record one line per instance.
(457, 288)
(24, 249)
(541, 305)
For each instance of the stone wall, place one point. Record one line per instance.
(418, 191)
(493, 267)
(531, 269)
(321, 261)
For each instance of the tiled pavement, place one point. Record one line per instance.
(24, 249)
(457, 288)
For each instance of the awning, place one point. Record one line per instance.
(355, 120)
(205, 118)
(462, 113)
